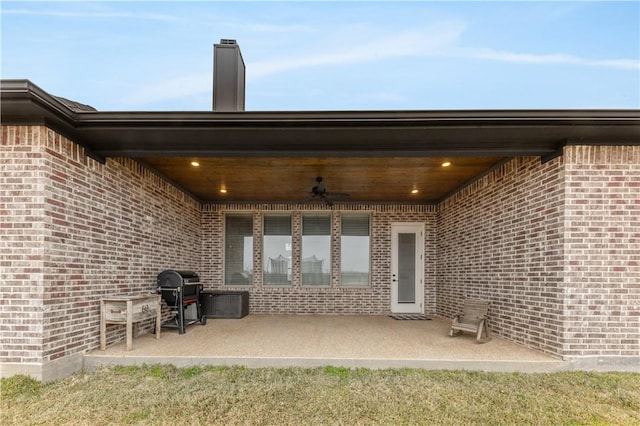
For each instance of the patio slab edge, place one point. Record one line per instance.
(93, 362)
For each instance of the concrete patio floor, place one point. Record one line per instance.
(319, 340)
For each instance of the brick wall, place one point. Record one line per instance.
(79, 230)
(374, 299)
(500, 238)
(22, 253)
(602, 271)
(555, 247)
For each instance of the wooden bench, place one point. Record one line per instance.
(473, 319)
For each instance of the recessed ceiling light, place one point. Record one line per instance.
(223, 189)
(446, 164)
(195, 164)
(414, 191)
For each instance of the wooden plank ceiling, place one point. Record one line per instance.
(290, 180)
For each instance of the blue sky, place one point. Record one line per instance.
(349, 55)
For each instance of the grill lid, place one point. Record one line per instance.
(171, 278)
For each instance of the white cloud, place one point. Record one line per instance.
(165, 90)
(98, 14)
(404, 44)
(385, 96)
(528, 58)
(439, 40)
(270, 28)
(412, 43)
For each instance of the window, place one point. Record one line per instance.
(316, 250)
(354, 250)
(276, 253)
(238, 250)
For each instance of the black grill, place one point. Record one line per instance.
(179, 289)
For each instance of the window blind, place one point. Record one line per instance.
(355, 225)
(277, 225)
(316, 225)
(239, 225)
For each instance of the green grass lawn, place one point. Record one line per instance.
(161, 394)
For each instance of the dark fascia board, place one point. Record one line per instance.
(24, 103)
(359, 119)
(24, 91)
(351, 134)
(12, 90)
(313, 133)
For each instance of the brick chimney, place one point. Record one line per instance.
(228, 76)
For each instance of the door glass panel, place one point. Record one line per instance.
(406, 268)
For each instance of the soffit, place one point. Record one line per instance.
(290, 179)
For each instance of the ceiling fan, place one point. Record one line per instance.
(320, 191)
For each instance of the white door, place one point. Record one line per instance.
(407, 268)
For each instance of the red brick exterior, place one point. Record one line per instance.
(74, 230)
(373, 300)
(554, 246)
(501, 239)
(602, 252)
(22, 241)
